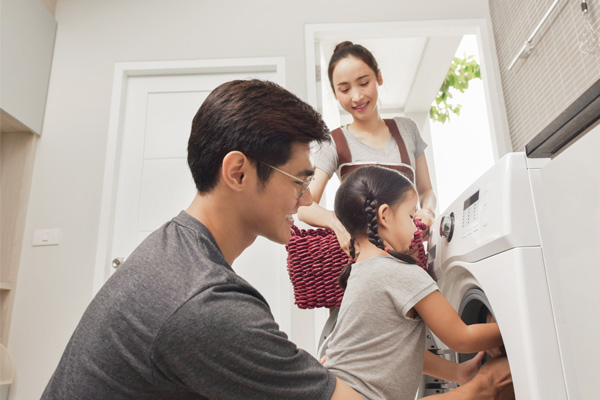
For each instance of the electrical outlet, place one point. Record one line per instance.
(46, 237)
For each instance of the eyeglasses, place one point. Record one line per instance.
(302, 182)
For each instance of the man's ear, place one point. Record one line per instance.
(235, 169)
(383, 215)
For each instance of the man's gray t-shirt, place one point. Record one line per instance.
(176, 322)
(326, 157)
(375, 347)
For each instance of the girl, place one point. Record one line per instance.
(354, 76)
(378, 343)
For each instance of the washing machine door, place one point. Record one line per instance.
(512, 285)
(474, 308)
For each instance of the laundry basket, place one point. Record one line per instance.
(315, 261)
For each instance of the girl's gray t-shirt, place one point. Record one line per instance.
(375, 347)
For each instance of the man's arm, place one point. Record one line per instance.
(344, 392)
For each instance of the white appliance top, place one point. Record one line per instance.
(495, 214)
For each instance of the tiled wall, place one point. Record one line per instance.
(538, 88)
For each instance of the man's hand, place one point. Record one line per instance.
(497, 372)
(468, 369)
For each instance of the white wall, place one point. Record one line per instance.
(55, 282)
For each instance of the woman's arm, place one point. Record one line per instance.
(428, 200)
(427, 197)
(445, 323)
(315, 215)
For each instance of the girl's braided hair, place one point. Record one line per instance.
(356, 204)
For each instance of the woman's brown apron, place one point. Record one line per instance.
(345, 158)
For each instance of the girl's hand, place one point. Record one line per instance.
(468, 369)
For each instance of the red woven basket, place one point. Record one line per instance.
(417, 249)
(315, 261)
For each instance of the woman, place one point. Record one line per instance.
(355, 77)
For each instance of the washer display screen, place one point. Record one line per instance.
(471, 200)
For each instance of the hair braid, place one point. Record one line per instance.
(373, 233)
(345, 274)
(372, 224)
(360, 195)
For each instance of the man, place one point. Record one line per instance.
(175, 321)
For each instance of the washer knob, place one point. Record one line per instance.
(447, 226)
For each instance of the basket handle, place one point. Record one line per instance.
(296, 230)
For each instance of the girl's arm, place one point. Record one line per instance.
(441, 368)
(445, 323)
(315, 215)
(491, 381)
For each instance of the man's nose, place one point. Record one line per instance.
(306, 198)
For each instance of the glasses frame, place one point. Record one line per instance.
(305, 183)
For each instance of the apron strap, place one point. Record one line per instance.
(399, 141)
(344, 156)
(343, 151)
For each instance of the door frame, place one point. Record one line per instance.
(487, 51)
(122, 72)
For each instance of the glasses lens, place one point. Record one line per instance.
(304, 183)
(305, 186)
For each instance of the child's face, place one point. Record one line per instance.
(402, 227)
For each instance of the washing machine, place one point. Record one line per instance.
(486, 255)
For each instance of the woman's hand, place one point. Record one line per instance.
(427, 218)
(341, 234)
(468, 369)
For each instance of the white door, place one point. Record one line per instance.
(154, 183)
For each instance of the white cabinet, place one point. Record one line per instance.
(27, 32)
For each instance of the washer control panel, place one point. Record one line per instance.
(474, 213)
(494, 214)
(470, 210)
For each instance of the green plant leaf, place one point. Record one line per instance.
(461, 71)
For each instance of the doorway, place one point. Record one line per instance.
(147, 181)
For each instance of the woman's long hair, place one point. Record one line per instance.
(357, 201)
